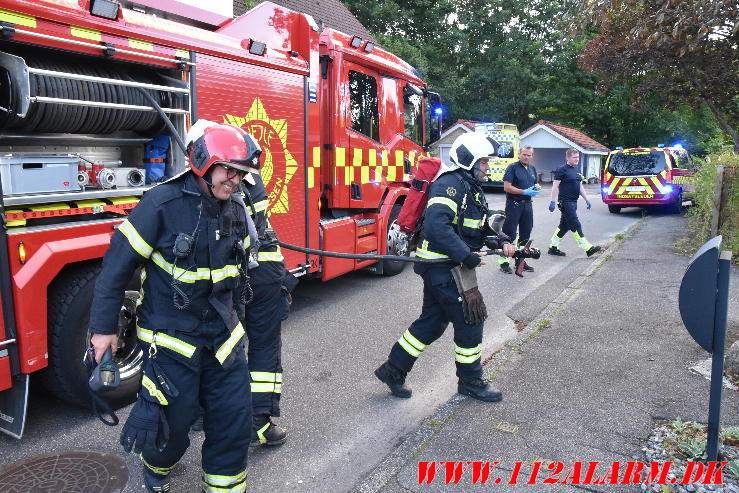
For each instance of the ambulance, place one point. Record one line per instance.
(648, 177)
(506, 134)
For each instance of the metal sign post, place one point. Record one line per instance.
(703, 300)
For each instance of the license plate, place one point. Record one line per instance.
(635, 189)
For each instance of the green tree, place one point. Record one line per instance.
(685, 51)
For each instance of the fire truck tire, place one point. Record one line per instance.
(614, 209)
(395, 246)
(70, 298)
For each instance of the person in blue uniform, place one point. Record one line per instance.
(568, 188)
(190, 239)
(520, 185)
(454, 227)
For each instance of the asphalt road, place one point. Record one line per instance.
(341, 420)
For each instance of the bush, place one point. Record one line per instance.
(701, 214)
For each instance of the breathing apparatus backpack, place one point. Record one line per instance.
(409, 219)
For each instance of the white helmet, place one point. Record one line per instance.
(469, 147)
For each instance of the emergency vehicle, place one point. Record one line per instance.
(506, 134)
(84, 89)
(647, 177)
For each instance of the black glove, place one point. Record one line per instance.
(145, 426)
(473, 307)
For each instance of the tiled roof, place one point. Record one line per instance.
(326, 13)
(571, 134)
(467, 123)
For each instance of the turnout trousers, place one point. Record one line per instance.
(519, 217)
(264, 316)
(569, 220)
(441, 305)
(227, 422)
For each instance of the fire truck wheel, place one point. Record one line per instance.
(677, 206)
(70, 298)
(397, 244)
(614, 209)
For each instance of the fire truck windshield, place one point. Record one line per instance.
(636, 163)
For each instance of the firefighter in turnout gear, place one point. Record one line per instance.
(454, 227)
(264, 315)
(568, 187)
(190, 237)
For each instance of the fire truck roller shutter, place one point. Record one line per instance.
(80, 119)
(70, 296)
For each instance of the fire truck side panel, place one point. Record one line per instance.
(269, 104)
(49, 251)
(5, 370)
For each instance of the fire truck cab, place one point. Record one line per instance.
(647, 177)
(95, 96)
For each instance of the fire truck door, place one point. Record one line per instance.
(367, 159)
(412, 97)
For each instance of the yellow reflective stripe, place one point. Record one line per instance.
(221, 480)
(224, 273)
(164, 340)
(424, 252)
(159, 470)
(135, 239)
(415, 342)
(247, 242)
(228, 346)
(266, 387)
(153, 390)
(17, 18)
(240, 488)
(270, 256)
(261, 206)
(468, 351)
(472, 223)
(263, 376)
(409, 348)
(444, 201)
(182, 275)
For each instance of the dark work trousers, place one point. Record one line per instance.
(519, 216)
(569, 220)
(441, 305)
(227, 421)
(264, 316)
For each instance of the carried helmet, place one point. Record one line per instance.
(210, 143)
(468, 148)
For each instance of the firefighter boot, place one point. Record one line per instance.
(553, 250)
(155, 483)
(394, 378)
(479, 389)
(265, 432)
(592, 250)
(505, 268)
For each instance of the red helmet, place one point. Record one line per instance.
(212, 143)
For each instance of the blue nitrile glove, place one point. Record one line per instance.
(531, 191)
(142, 427)
(588, 205)
(552, 205)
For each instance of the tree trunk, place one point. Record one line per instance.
(724, 124)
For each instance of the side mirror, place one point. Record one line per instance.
(434, 113)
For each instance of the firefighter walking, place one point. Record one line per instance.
(520, 185)
(190, 238)
(454, 227)
(568, 188)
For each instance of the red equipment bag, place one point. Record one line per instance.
(415, 202)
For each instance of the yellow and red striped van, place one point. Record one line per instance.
(647, 176)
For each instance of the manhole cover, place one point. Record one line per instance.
(67, 472)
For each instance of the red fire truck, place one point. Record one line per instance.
(85, 89)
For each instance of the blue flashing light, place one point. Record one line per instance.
(438, 111)
(678, 145)
(604, 189)
(668, 189)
